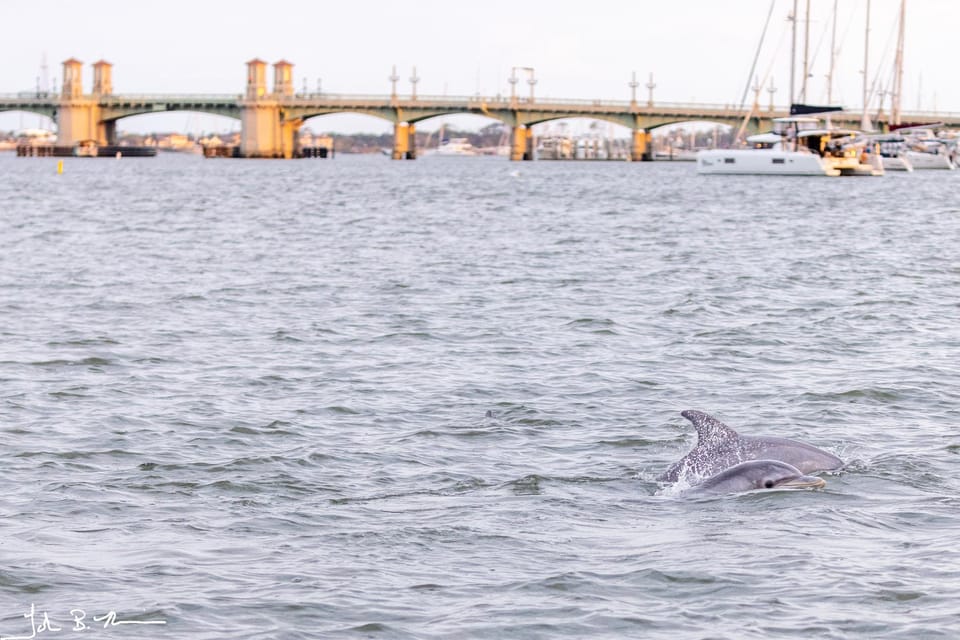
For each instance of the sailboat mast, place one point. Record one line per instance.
(898, 78)
(806, 54)
(793, 52)
(833, 60)
(833, 55)
(865, 120)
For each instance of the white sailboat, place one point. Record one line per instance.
(893, 153)
(926, 151)
(797, 146)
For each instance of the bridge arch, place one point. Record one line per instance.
(620, 121)
(9, 114)
(146, 116)
(113, 115)
(39, 110)
(687, 121)
(304, 115)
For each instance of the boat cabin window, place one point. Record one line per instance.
(729, 160)
(778, 160)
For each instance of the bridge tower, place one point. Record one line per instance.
(72, 78)
(283, 79)
(103, 86)
(283, 88)
(78, 116)
(102, 78)
(264, 133)
(259, 115)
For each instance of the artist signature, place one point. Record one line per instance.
(78, 622)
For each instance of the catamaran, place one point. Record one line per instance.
(799, 145)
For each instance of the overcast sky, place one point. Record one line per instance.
(698, 50)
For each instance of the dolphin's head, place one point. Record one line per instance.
(759, 474)
(773, 474)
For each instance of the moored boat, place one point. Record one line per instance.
(893, 153)
(799, 146)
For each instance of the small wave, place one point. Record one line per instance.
(92, 361)
(406, 335)
(526, 486)
(521, 415)
(73, 392)
(342, 410)
(604, 326)
(275, 428)
(879, 394)
(84, 342)
(629, 442)
(284, 336)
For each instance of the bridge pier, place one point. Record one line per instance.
(289, 146)
(107, 132)
(641, 148)
(404, 141)
(521, 143)
(259, 129)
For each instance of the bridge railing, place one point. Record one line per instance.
(380, 99)
(495, 101)
(30, 96)
(173, 97)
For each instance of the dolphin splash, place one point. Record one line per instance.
(719, 447)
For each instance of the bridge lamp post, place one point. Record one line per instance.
(393, 84)
(651, 85)
(771, 90)
(756, 93)
(513, 83)
(633, 84)
(414, 79)
(530, 80)
(319, 87)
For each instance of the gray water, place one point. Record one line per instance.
(357, 398)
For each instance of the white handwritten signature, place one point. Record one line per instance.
(78, 618)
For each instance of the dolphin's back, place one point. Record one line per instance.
(719, 447)
(805, 457)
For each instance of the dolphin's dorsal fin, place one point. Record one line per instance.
(710, 431)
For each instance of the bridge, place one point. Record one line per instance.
(270, 120)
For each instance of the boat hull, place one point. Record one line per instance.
(921, 160)
(762, 162)
(851, 165)
(897, 163)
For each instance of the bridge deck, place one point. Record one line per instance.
(431, 106)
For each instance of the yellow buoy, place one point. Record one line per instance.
(59, 167)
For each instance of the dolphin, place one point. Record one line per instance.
(757, 474)
(720, 447)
